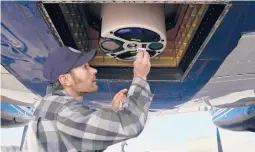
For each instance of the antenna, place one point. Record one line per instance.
(123, 144)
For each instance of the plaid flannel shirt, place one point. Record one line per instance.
(61, 123)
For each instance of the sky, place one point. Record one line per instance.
(164, 132)
(11, 136)
(169, 133)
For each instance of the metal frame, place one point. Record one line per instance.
(46, 17)
(221, 17)
(140, 1)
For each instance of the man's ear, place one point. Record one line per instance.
(64, 80)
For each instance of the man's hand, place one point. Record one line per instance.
(118, 99)
(142, 64)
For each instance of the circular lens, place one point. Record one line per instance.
(156, 46)
(137, 34)
(127, 54)
(124, 31)
(132, 45)
(110, 45)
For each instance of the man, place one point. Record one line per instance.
(62, 122)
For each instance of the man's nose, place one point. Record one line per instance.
(93, 70)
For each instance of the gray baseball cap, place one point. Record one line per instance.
(62, 60)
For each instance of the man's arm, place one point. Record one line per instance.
(106, 124)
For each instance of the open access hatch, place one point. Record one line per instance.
(174, 40)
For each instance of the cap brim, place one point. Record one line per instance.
(85, 58)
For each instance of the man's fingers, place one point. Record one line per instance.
(119, 98)
(139, 56)
(123, 91)
(141, 49)
(123, 98)
(145, 57)
(149, 61)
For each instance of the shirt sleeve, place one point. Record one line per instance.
(106, 125)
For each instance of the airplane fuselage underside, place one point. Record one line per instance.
(195, 51)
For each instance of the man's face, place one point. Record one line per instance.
(84, 79)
